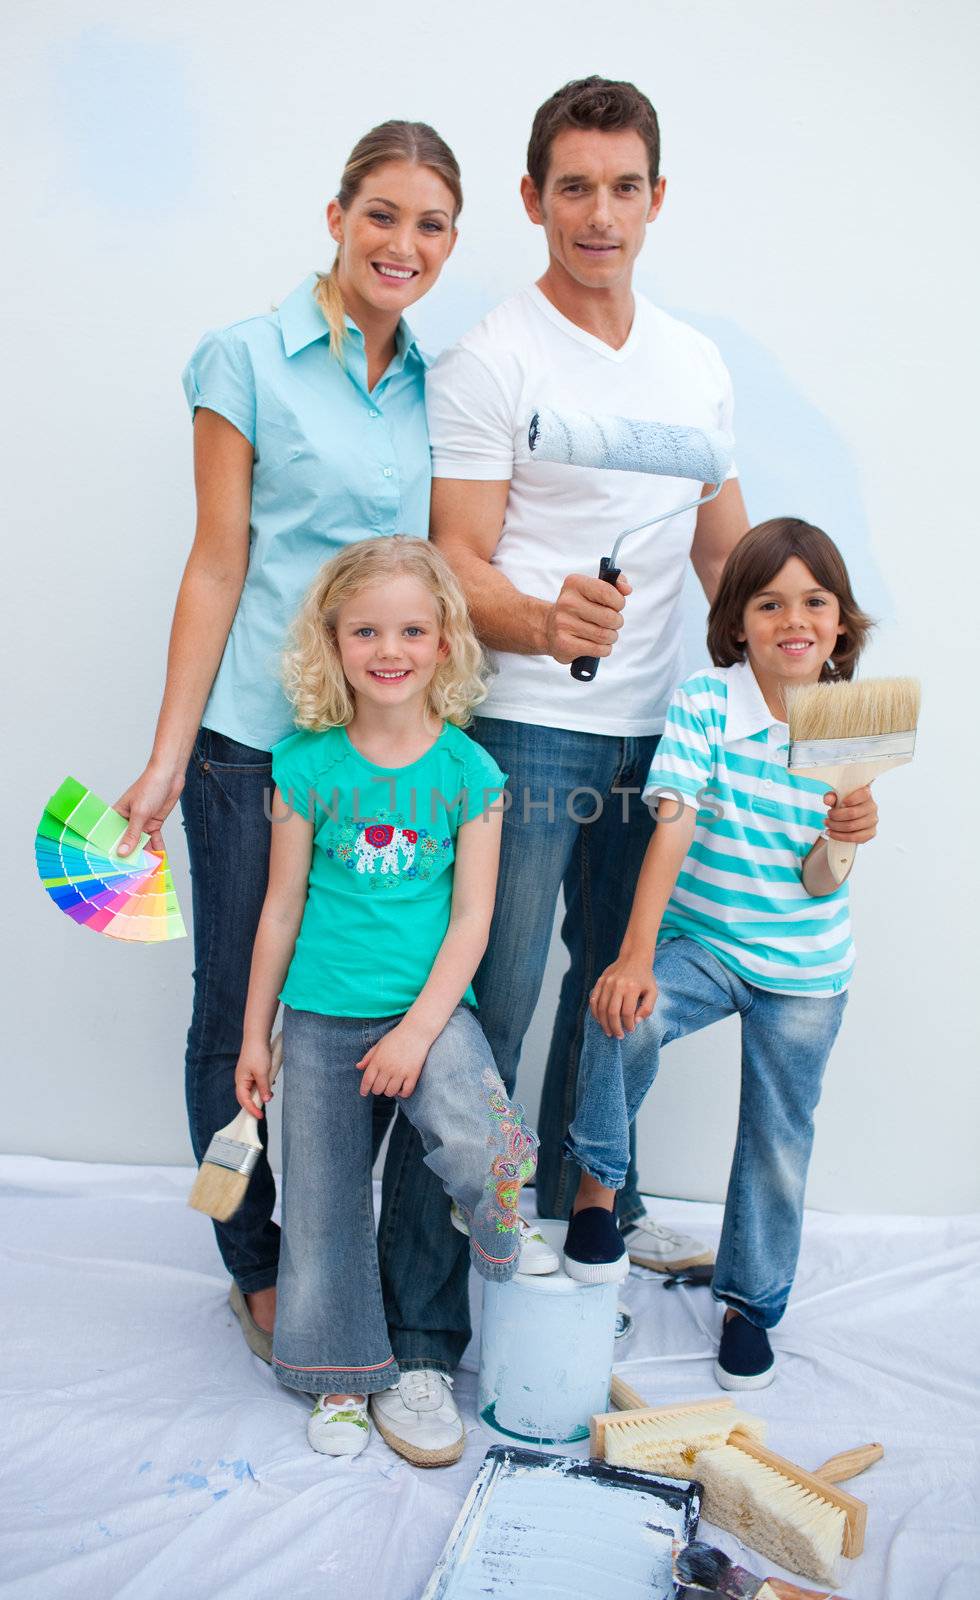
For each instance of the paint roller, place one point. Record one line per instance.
(627, 444)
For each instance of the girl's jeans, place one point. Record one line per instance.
(786, 1040)
(331, 1335)
(228, 832)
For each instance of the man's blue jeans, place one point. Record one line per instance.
(224, 803)
(786, 1040)
(330, 1324)
(558, 780)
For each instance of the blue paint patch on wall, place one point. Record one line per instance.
(124, 113)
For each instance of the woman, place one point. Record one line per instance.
(309, 433)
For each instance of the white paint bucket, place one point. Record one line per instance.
(546, 1355)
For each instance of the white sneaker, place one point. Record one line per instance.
(420, 1420)
(537, 1256)
(652, 1245)
(339, 1427)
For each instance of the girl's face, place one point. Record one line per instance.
(394, 237)
(790, 628)
(389, 642)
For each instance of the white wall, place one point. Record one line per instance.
(170, 171)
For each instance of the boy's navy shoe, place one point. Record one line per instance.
(594, 1249)
(745, 1358)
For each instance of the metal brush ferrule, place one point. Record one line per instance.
(230, 1153)
(842, 752)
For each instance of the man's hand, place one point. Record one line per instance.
(394, 1065)
(624, 995)
(854, 820)
(586, 618)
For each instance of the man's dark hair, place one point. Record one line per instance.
(592, 103)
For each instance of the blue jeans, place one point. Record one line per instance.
(228, 833)
(545, 849)
(786, 1040)
(331, 1334)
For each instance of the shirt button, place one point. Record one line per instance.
(374, 413)
(387, 472)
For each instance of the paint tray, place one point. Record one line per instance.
(536, 1524)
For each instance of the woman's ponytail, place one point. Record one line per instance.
(331, 303)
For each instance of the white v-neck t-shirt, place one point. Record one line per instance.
(480, 397)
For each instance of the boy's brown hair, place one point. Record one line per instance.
(592, 103)
(751, 567)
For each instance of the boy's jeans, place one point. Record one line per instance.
(544, 849)
(224, 811)
(786, 1040)
(331, 1335)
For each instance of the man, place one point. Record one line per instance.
(522, 537)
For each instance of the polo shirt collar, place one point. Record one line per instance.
(747, 711)
(302, 323)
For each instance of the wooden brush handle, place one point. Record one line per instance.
(623, 1397)
(779, 1589)
(826, 865)
(849, 1463)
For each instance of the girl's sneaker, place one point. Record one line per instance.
(537, 1256)
(339, 1427)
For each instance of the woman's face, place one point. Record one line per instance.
(393, 238)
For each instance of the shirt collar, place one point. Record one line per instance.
(747, 711)
(302, 323)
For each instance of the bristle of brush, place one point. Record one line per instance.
(777, 1517)
(858, 710)
(217, 1191)
(669, 1443)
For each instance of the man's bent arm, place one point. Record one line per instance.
(467, 520)
(720, 525)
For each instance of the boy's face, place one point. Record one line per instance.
(595, 205)
(790, 628)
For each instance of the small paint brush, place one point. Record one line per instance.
(845, 735)
(229, 1161)
(705, 1570)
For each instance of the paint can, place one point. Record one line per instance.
(546, 1355)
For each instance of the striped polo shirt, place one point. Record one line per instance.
(740, 890)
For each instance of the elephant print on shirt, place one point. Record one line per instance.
(384, 843)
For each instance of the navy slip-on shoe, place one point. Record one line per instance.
(745, 1358)
(594, 1249)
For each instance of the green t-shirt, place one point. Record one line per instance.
(381, 877)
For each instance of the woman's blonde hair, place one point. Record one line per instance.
(389, 141)
(312, 672)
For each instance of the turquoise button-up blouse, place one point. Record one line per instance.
(334, 462)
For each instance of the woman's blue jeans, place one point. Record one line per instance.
(225, 802)
(786, 1040)
(576, 823)
(331, 1335)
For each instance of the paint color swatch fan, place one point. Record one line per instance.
(127, 897)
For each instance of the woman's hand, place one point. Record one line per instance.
(624, 995)
(252, 1074)
(394, 1065)
(854, 820)
(148, 803)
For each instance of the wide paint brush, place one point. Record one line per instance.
(629, 444)
(229, 1161)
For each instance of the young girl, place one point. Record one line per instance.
(381, 885)
(721, 898)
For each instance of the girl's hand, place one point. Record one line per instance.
(854, 820)
(624, 995)
(147, 803)
(252, 1073)
(394, 1065)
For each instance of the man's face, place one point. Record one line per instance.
(595, 205)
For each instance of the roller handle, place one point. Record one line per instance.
(584, 668)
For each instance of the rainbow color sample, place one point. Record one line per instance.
(125, 897)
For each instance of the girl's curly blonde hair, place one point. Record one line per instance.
(313, 676)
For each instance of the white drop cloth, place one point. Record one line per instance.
(146, 1455)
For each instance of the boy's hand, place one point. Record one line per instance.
(394, 1065)
(252, 1073)
(624, 995)
(854, 820)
